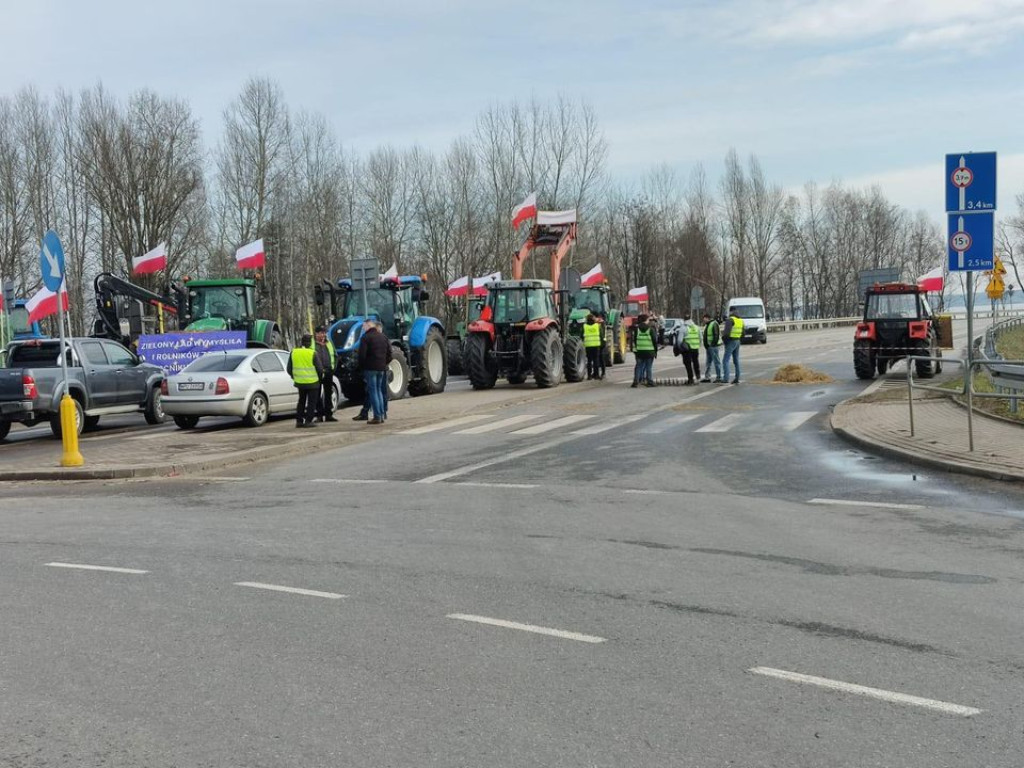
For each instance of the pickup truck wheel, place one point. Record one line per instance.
(91, 422)
(155, 407)
(79, 420)
(5, 427)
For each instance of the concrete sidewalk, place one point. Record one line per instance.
(940, 435)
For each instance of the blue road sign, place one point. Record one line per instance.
(971, 182)
(971, 241)
(51, 261)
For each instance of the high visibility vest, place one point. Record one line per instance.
(303, 369)
(330, 349)
(709, 334)
(737, 328)
(644, 340)
(692, 339)
(591, 334)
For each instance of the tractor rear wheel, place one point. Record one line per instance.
(546, 357)
(433, 372)
(863, 361)
(574, 359)
(456, 366)
(398, 374)
(619, 340)
(481, 370)
(882, 365)
(925, 368)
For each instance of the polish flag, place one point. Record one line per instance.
(458, 287)
(44, 303)
(931, 282)
(251, 256)
(150, 262)
(525, 210)
(637, 294)
(480, 283)
(391, 274)
(593, 277)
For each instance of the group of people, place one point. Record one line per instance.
(713, 336)
(311, 366)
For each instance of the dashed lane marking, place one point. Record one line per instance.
(723, 424)
(551, 426)
(109, 568)
(862, 690)
(503, 458)
(495, 426)
(668, 424)
(291, 590)
(561, 633)
(856, 503)
(498, 485)
(446, 424)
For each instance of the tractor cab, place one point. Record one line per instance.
(20, 327)
(396, 303)
(220, 305)
(595, 299)
(518, 302)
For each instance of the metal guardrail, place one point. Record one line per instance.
(782, 326)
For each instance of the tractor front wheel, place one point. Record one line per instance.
(619, 339)
(863, 361)
(574, 359)
(546, 357)
(481, 370)
(398, 374)
(433, 372)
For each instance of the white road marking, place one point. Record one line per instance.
(644, 491)
(109, 568)
(599, 428)
(445, 424)
(795, 419)
(668, 424)
(550, 426)
(292, 590)
(495, 426)
(503, 458)
(855, 503)
(353, 481)
(723, 424)
(862, 690)
(528, 628)
(498, 485)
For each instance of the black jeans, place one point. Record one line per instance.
(309, 394)
(691, 359)
(594, 362)
(325, 391)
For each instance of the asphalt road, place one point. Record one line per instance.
(682, 576)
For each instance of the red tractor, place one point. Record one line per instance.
(898, 323)
(522, 329)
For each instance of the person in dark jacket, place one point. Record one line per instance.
(374, 351)
(323, 350)
(306, 374)
(711, 338)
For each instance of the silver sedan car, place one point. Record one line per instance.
(252, 384)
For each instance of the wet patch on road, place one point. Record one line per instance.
(829, 569)
(818, 629)
(645, 544)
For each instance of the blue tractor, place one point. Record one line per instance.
(419, 363)
(16, 326)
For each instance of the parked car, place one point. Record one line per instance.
(667, 330)
(103, 378)
(251, 384)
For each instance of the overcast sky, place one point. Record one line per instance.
(863, 91)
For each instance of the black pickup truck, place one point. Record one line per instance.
(103, 378)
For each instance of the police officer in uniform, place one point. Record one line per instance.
(592, 343)
(306, 374)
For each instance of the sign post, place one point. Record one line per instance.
(365, 275)
(971, 205)
(51, 264)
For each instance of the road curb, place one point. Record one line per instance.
(932, 462)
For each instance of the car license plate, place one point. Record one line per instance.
(193, 385)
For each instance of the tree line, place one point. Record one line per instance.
(115, 177)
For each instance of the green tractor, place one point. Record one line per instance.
(228, 305)
(456, 342)
(600, 300)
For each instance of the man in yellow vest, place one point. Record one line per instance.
(592, 343)
(732, 332)
(688, 345)
(306, 374)
(645, 349)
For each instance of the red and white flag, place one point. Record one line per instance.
(44, 303)
(458, 287)
(391, 274)
(525, 210)
(150, 262)
(251, 256)
(593, 277)
(637, 294)
(931, 282)
(480, 283)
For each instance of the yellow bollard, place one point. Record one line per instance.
(69, 434)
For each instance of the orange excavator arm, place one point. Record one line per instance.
(559, 237)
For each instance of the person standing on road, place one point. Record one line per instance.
(592, 343)
(712, 338)
(645, 349)
(384, 393)
(373, 361)
(306, 374)
(732, 331)
(323, 350)
(687, 342)
(602, 323)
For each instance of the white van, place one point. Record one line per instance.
(751, 310)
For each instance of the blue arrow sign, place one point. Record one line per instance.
(51, 261)
(971, 242)
(971, 182)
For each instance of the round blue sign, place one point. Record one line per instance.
(51, 261)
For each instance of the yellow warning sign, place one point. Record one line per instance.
(995, 286)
